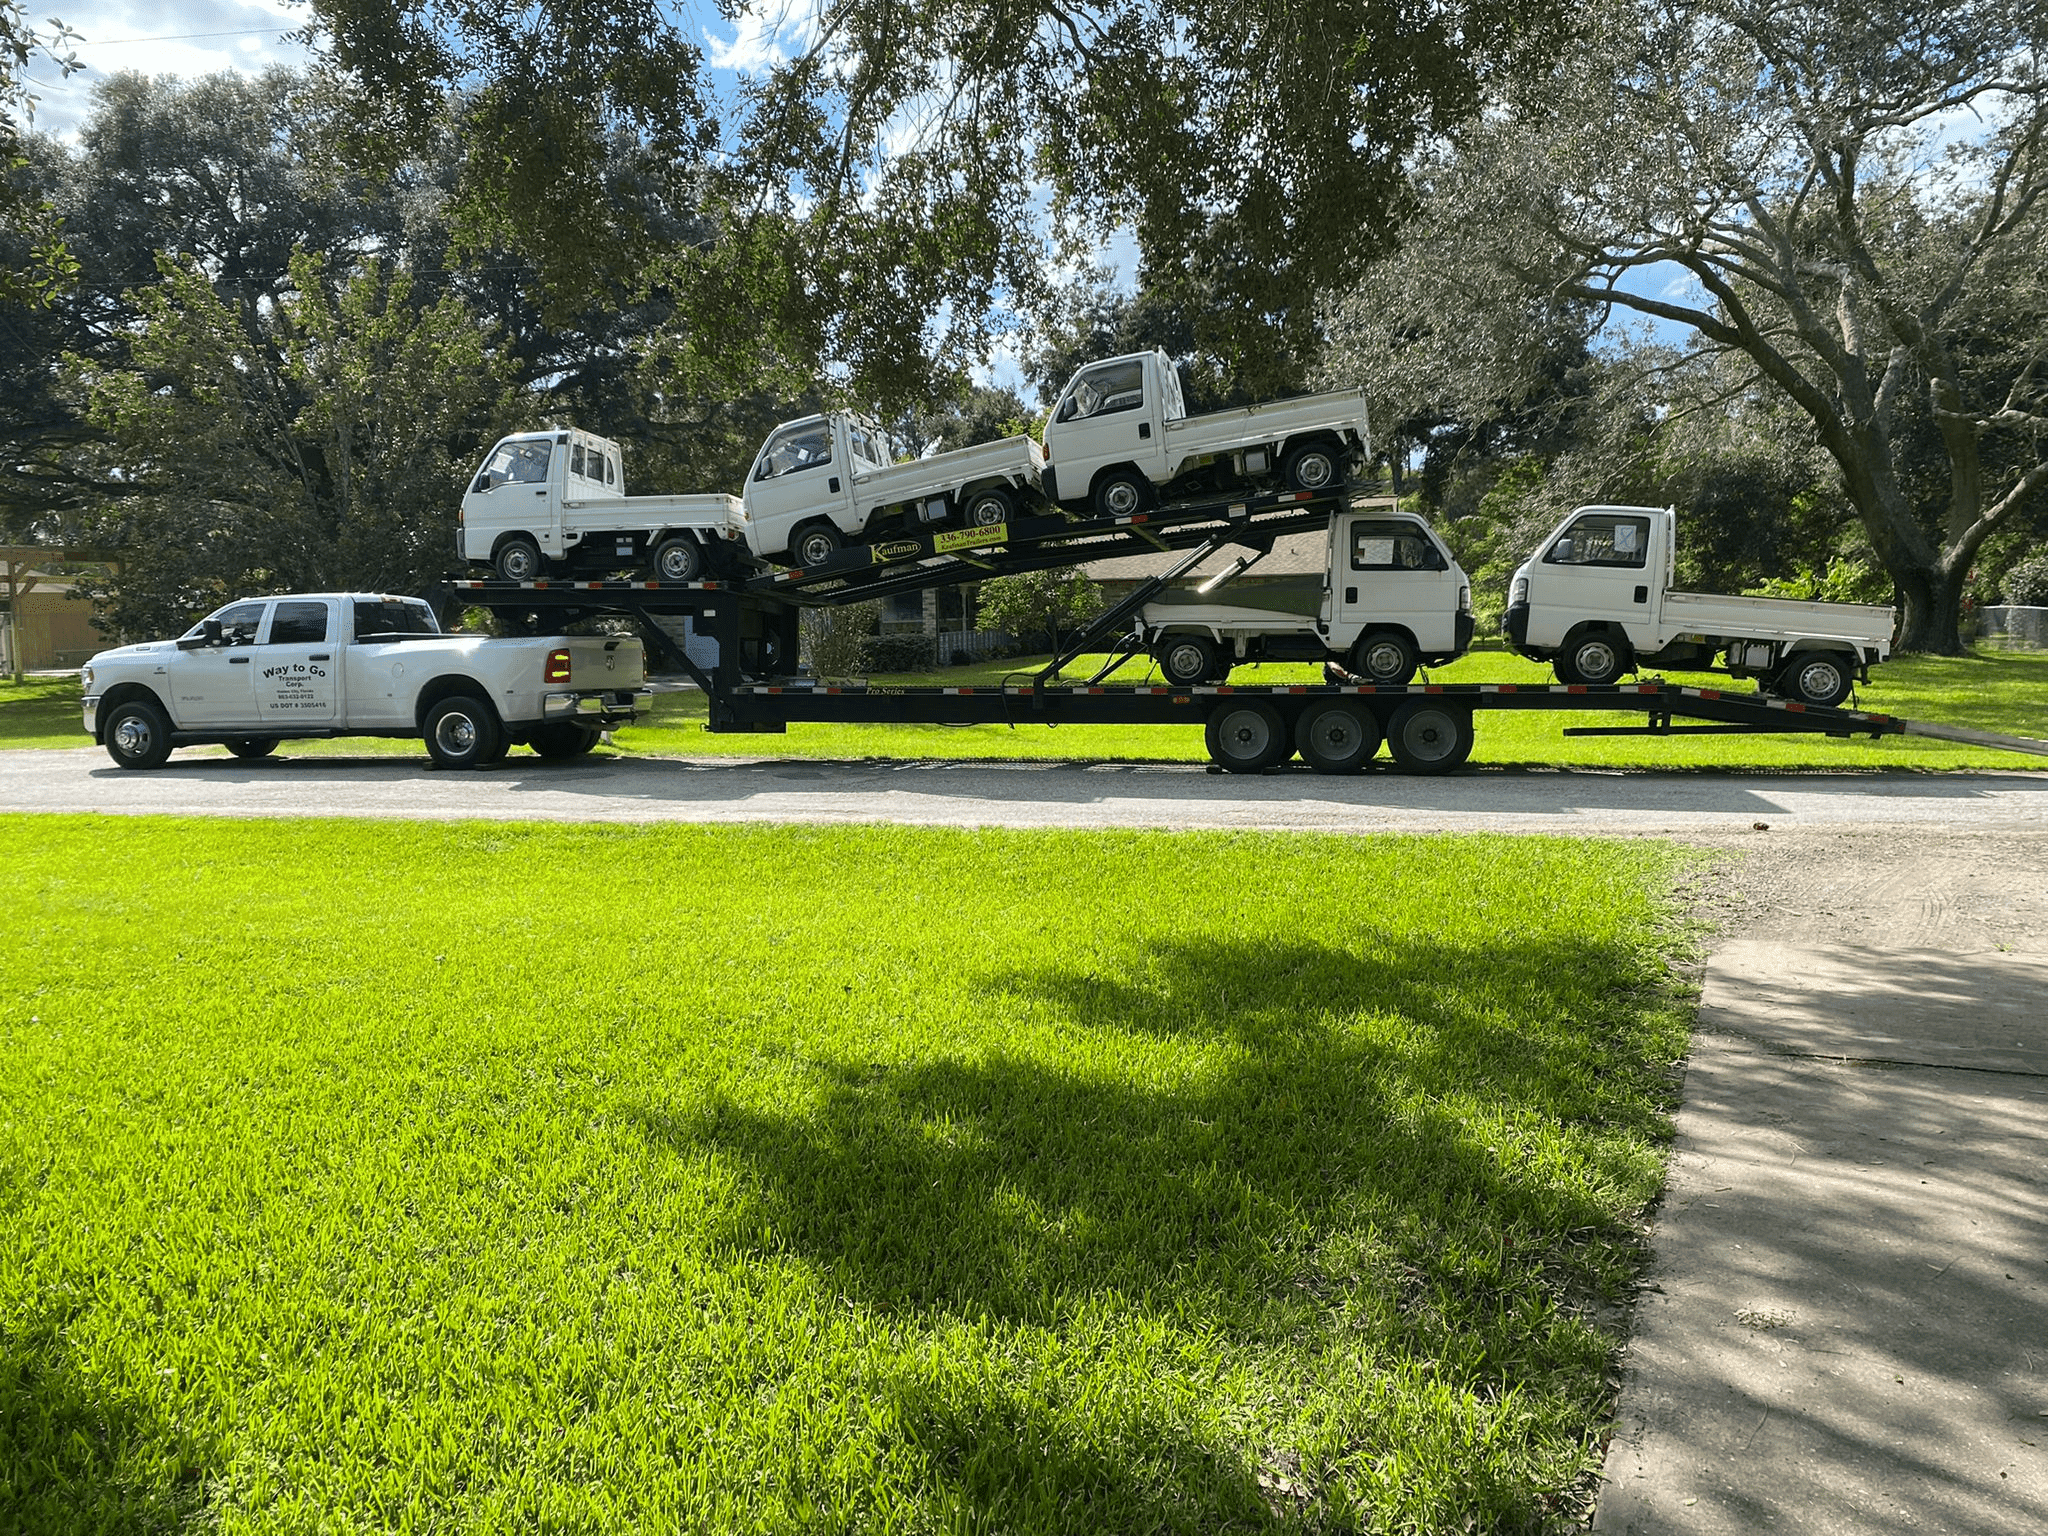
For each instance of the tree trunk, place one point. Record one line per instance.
(1931, 612)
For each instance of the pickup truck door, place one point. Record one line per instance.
(1391, 573)
(215, 684)
(802, 473)
(1110, 414)
(1598, 568)
(516, 493)
(297, 666)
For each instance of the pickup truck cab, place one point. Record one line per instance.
(273, 669)
(1596, 601)
(555, 502)
(822, 482)
(1390, 599)
(1120, 440)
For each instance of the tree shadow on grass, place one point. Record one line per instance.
(74, 1461)
(1297, 1168)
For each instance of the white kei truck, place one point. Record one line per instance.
(823, 482)
(1596, 601)
(1120, 440)
(323, 664)
(555, 501)
(1390, 599)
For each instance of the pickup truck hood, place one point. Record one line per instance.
(138, 652)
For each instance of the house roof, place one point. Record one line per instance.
(1294, 554)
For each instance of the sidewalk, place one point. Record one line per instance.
(1847, 1326)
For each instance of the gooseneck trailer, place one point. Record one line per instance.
(752, 685)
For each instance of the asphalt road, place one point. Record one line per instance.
(1021, 794)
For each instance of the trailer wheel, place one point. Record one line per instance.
(137, 735)
(987, 508)
(249, 748)
(1428, 737)
(461, 732)
(815, 543)
(1246, 736)
(566, 739)
(1595, 657)
(1121, 492)
(1384, 658)
(1337, 736)
(1313, 467)
(677, 559)
(518, 559)
(1817, 677)
(1185, 660)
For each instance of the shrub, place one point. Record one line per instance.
(896, 653)
(2026, 584)
(833, 637)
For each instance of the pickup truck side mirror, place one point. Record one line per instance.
(209, 635)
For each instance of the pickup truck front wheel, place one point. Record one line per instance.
(1596, 658)
(1383, 658)
(138, 735)
(815, 543)
(463, 733)
(1121, 493)
(519, 560)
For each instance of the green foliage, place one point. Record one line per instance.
(37, 266)
(895, 653)
(316, 444)
(832, 638)
(2026, 584)
(1844, 581)
(343, 1204)
(1050, 603)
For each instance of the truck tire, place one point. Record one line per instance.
(1337, 736)
(1246, 736)
(1121, 492)
(987, 508)
(461, 732)
(137, 735)
(815, 542)
(564, 740)
(518, 559)
(1185, 660)
(1816, 677)
(677, 559)
(1384, 658)
(249, 748)
(1313, 467)
(1428, 737)
(1595, 657)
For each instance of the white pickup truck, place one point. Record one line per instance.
(1596, 601)
(822, 482)
(552, 501)
(1391, 598)
(275, 669)
(1120, 440)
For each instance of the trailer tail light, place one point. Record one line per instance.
(558, 667)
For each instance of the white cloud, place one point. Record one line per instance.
(188, 38)
(763, 38)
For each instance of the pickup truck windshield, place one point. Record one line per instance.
(1387, 544)
(1602, 538)
(1104, 390)
(526, 463)
(806, 444)
(238, 623)
(394, 616)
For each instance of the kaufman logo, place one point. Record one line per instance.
(902, 549)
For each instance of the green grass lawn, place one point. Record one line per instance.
(1991, 690)
(369, 1176)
